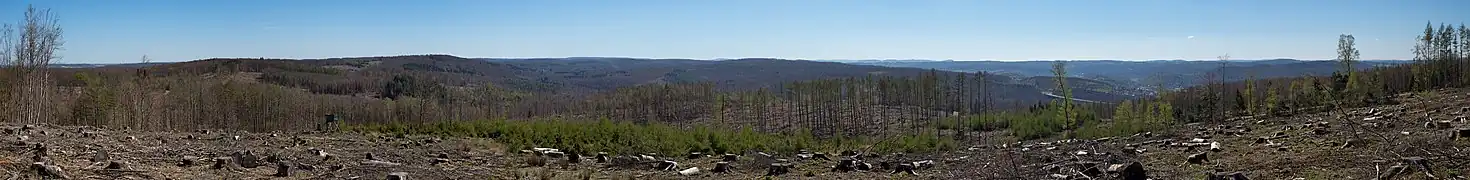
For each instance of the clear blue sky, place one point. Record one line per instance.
(181, 30)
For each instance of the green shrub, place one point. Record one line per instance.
(625, 137)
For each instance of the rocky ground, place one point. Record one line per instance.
(1418, 138)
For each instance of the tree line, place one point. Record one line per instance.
(933, 104)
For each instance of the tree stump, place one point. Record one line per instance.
(777, 169)
(729, 158)
(188, 161)
(721, 167)
(398, 176)
(845, 165)
(574, 158)
(223, 163)
(49, 171)
(117, 165)
(283, 169)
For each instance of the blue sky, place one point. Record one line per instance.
(181, 30)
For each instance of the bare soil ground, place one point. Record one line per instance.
(1413, 139)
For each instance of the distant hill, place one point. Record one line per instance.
(1172, 73)
(367, 76)
(606, 73)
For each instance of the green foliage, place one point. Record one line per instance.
(1065, 108)
(1036, 124)
(1130, 118)
(625, 137)
(412, 86)
(96, 102)
(1273, 100)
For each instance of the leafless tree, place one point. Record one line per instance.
(26, 56)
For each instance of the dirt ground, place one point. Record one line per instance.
(1413, 139)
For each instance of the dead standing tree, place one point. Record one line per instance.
(25, 56)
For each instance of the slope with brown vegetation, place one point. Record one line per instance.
(1409, 140)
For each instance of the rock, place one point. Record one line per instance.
(601, 157)
(574, 158)
(50, 171)
(188, 161)
(442, 156)
(864, 166)
(1215, 146)
(223, 163)
(1262, 140)
(1462, 133)
(283, 169)
(369, 156)
(690, 171)
(667, 165)
(694, 155)
(722, 167)
(777, 169)
(730, 158)
(117, 165)
(398, 176)
(1198, 158)
(437, 161)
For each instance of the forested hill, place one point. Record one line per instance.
(1172, 73)
(367, 76)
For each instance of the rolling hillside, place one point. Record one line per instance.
(1172, 73)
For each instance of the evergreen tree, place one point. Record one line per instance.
(1272, 100)
(1248, 94)
(1126, 117)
